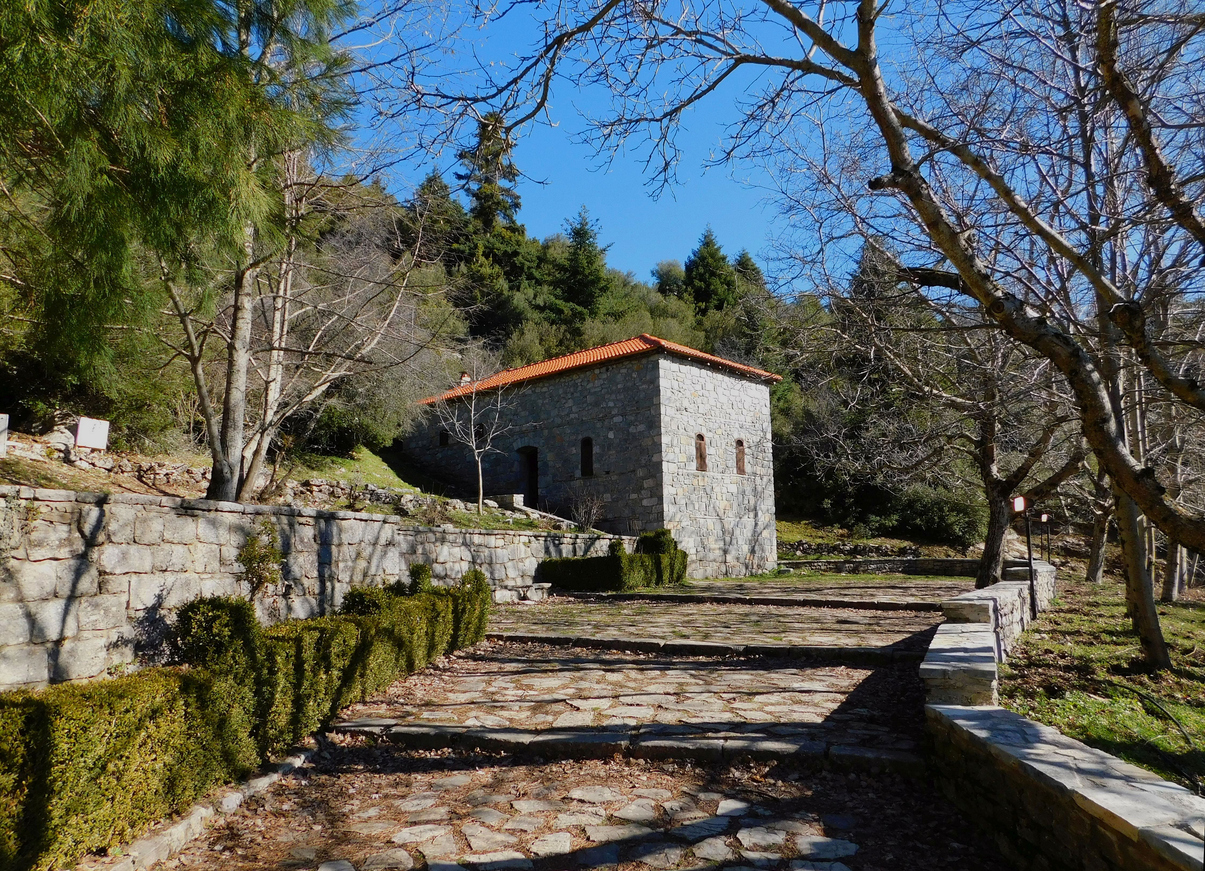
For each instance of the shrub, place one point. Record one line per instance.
(660, 563)
(261, 557)
(420, 578)
(85, 767)
(942, 516)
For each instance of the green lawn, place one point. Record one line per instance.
(362, 467)
(1078, 669)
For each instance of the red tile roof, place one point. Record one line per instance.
(642, 344)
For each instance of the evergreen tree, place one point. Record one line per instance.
(440, 219)
(710, 279)
(583, 276)
(748, 272)
(491, 174)
(670, 279)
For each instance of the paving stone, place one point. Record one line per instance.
(337, 865)
(760, 858)
(656, 854)
(732, 807)
(759, 838)
(439, 865)
(588, 817)
(488, 815)
(605, 856)
(417, 802)
(430, 815)
(367, 814)
(804, 865)
(793, 826)
(454, 782)
(643, 810)
(389, 859)
(484, 840)
(555, 844)
(305, 854)
(573, 718)
(616, 833)
(655, 794)
(843, 822)
(698, 829)
(524, 823)
(419, 834)
(712, 849)
(500, 860)
(595, 794)
(535, 806)
(820, 847)
(441, 847)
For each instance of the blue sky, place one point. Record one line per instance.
(562, 173)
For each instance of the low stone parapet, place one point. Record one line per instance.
(85, 578)
(1055, 804)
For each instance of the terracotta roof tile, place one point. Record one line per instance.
(642, 344)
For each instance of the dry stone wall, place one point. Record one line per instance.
(87, 578)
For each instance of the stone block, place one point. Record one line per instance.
(79, 658)
(53, 620)
(119, 523)
(29, 581)
(76, 578)
(102, 612)
(173, 558)
(15, 624)
(126, 559)
(180, 529)
(148, 528)
(24, 665)
(206, 558)
(213, 528)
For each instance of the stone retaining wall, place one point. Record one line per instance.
(890, 566)
(1052, 803)
(87, 578)
(981, 628)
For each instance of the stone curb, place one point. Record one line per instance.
(776, 601)
(849, 655)
(170, 837)
(1068, 797)
(657, 742)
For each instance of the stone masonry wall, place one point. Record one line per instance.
(724, 520)
(614, 405)
(85, 578)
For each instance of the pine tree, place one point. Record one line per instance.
(491, 174)
(710, 279)
(583, 276)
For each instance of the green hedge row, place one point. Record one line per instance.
(86, 767)
(658, 562)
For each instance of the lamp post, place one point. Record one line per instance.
(1021, 508)
(1046, 533)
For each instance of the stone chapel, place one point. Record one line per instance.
(661, 435)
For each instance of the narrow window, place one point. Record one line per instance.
(740, 456)
(587, 457)
(701, 453)
(444, 438)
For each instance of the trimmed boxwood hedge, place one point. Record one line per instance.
(658, 562)
(87, 767)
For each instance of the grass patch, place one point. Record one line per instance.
(362, 467)
(53, 476)
(835, 579)
(1078, 669)
(792, 528)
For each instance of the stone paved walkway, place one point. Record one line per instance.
(557, 757)
(738, 625)
(365, 808)
(521, 697)
(900, 589)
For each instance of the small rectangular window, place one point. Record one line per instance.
(740, 456)
(700, 453)
(587, 457)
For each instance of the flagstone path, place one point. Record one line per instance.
(555, 757)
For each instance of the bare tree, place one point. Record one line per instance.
(476, 413)
(586, 505)
(1039, 159)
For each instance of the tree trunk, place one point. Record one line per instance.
(999, 514)
(1096, 550)
(480, 489)
(1140, 594)
(1173, 573)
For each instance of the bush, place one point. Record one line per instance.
(658, 562)
(85, 767)
(420, 578)
(941, 516)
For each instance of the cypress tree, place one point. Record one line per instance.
(710, 279)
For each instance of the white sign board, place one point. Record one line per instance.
(90, 433)
(3, 435)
